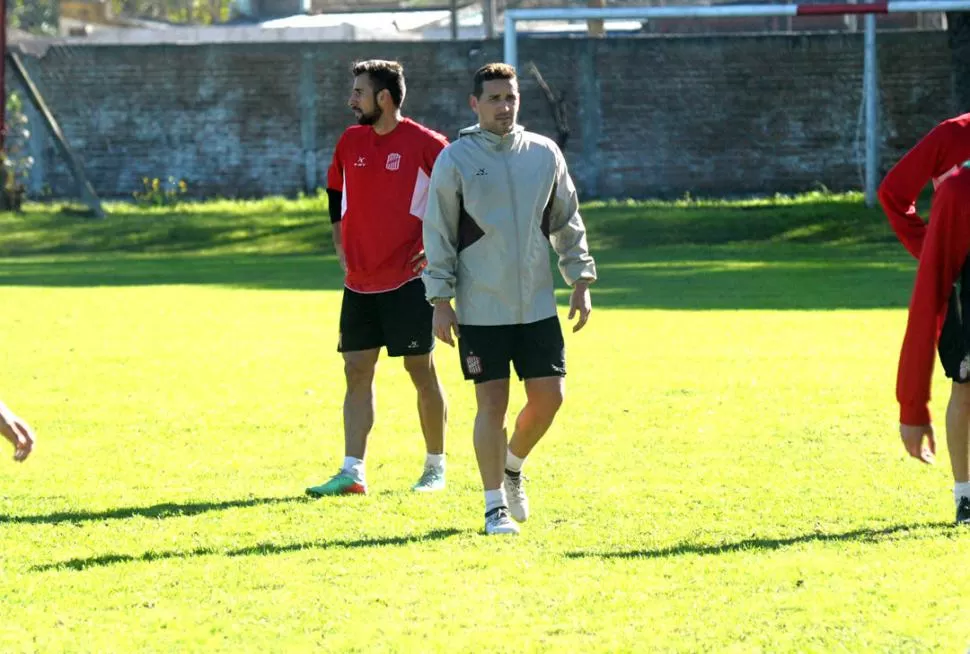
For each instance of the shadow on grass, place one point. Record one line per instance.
(273, 225)
(157, 511)
(260, 271)
(810, 218)
(762, 276)
(757, 276)
(769, 544)
(262, 549)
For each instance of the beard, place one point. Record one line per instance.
(370, 118)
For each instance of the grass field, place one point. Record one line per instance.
(724, 476)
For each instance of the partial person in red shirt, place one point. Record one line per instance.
(941, 294)
(378, 189)
(18, 432)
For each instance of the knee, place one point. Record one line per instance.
(421, 370)
(358, 372)
(551, 400)
(493, 406)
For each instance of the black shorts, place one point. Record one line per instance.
(535, 349)
(399, 320)
(955, 335)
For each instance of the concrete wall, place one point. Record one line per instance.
(712, 115)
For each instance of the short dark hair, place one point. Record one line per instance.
(488, 72)
(383, 75)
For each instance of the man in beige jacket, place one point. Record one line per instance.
(499, 197)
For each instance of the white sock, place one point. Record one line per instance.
(495, 499)
(436, 460)
(513, 462)
(354, 467)
(960, 489)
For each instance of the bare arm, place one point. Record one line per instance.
(338, 247)
(335, 203)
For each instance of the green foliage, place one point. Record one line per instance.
(193, 12)
(34, 16)
(156, 193)
(16, 159)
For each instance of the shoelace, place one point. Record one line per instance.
(515, 484)
(430, 474)
(345, 473)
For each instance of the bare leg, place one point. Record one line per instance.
(490, 444)
(958, 432)
(432, 406)
(544, 397)
(359, 402)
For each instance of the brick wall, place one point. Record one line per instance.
(710, 115)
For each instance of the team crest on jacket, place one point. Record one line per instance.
(393, 161)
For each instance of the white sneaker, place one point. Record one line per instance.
(497, 522)
(432, 479)
(515, 493)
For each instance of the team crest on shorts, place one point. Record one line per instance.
(474, 364)
(393, 161)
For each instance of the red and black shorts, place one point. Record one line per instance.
(399, 320)
(535, 349)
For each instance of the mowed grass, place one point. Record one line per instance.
(725, 474)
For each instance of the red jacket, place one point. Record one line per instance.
(941, 248)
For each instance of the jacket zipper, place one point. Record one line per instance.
(515, 225)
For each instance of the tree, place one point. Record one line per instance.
(34, 16)
(190, 12)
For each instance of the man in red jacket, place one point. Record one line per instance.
(936, 308)
(378, 188)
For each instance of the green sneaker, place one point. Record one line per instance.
(342, 483)
(432, 479)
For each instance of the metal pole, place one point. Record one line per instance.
(488, 14)
(454, 20)
(595, 26)
(511, 48)
(870, 92)
(742, 10)
(3, 75)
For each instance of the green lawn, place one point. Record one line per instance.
(724, 476)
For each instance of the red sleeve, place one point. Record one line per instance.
(944, 251)
(947, 145)
(434, 148)
(335, 175)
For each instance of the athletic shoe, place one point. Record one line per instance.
(963, 511)
(497, 522)
(342, 483)
(432, 479)
(515, 493)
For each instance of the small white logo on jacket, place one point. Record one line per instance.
(393, 161)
